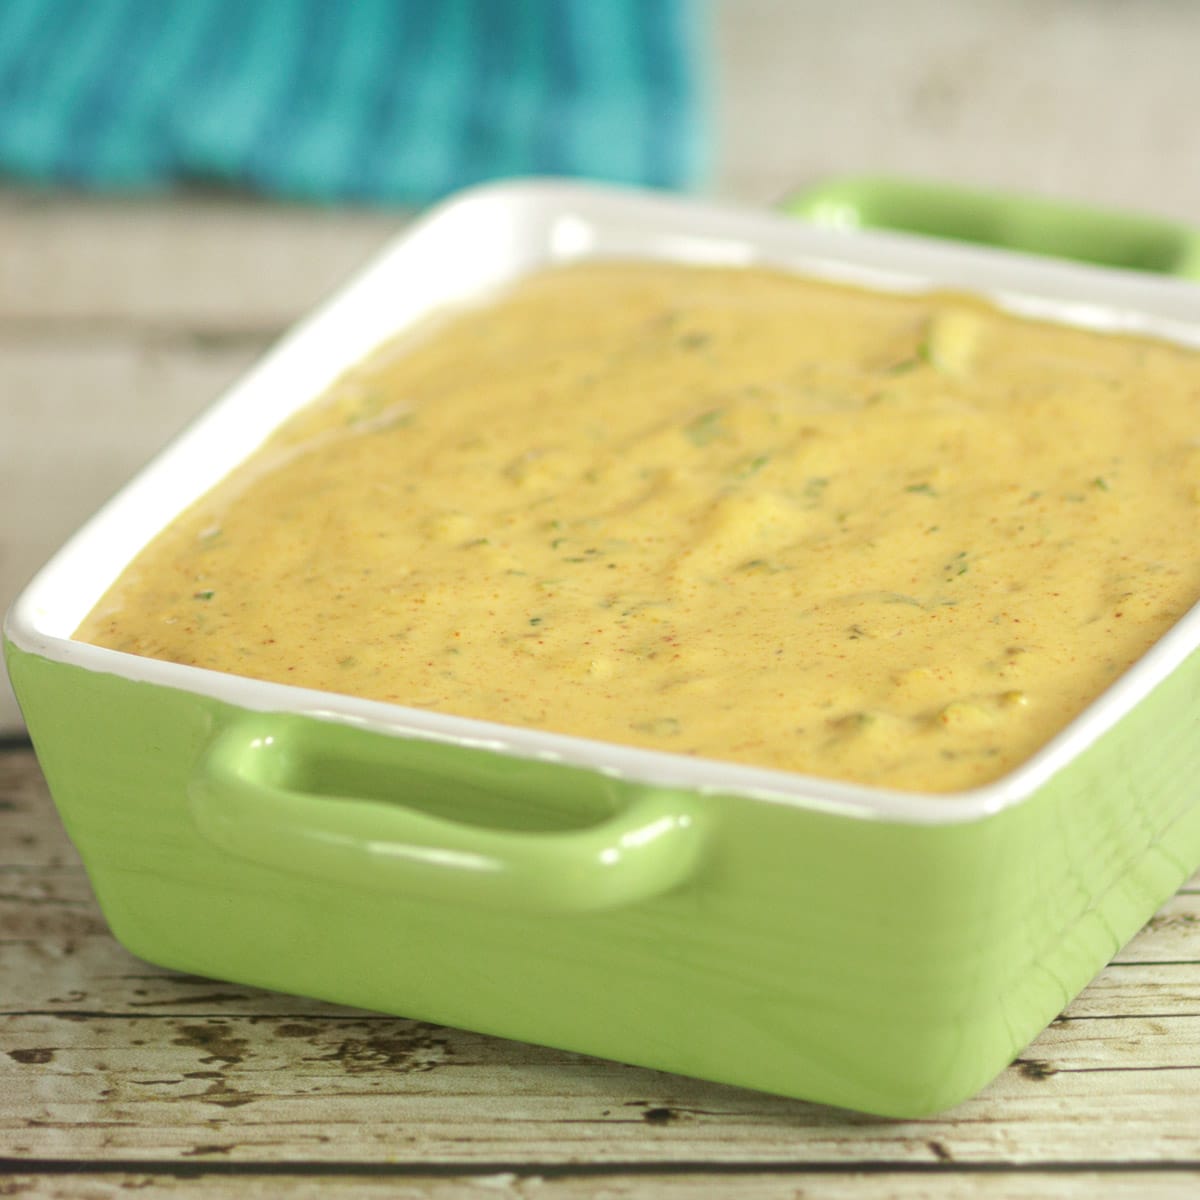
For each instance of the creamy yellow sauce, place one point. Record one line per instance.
(900, 540)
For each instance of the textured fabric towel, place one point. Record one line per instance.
(351, 100)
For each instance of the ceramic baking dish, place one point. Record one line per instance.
(885, 951)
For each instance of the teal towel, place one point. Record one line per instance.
(351, 100)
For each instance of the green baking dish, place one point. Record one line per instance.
(884, 951)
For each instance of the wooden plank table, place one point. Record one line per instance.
(115, 1074)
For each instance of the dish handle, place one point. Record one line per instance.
(1026, 224)
(247, 797)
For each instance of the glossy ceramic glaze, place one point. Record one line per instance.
(1028, 224)
(883, 951)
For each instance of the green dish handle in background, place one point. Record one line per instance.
(291, 793)
(1026, 224)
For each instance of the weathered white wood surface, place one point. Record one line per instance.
(875, 1184)
(117, 1074)
(1068, 98)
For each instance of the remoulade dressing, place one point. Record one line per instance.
(895, 539)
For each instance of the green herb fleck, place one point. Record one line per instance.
(748, 468)
(1101, 483)
(923, 489)
(705, 427)
(957, 566)
(695, 339)
(854, 722)
(205, 595)
(658, 726)
(900, 598)
(535, 620)
(814, 488)
(348, 661)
